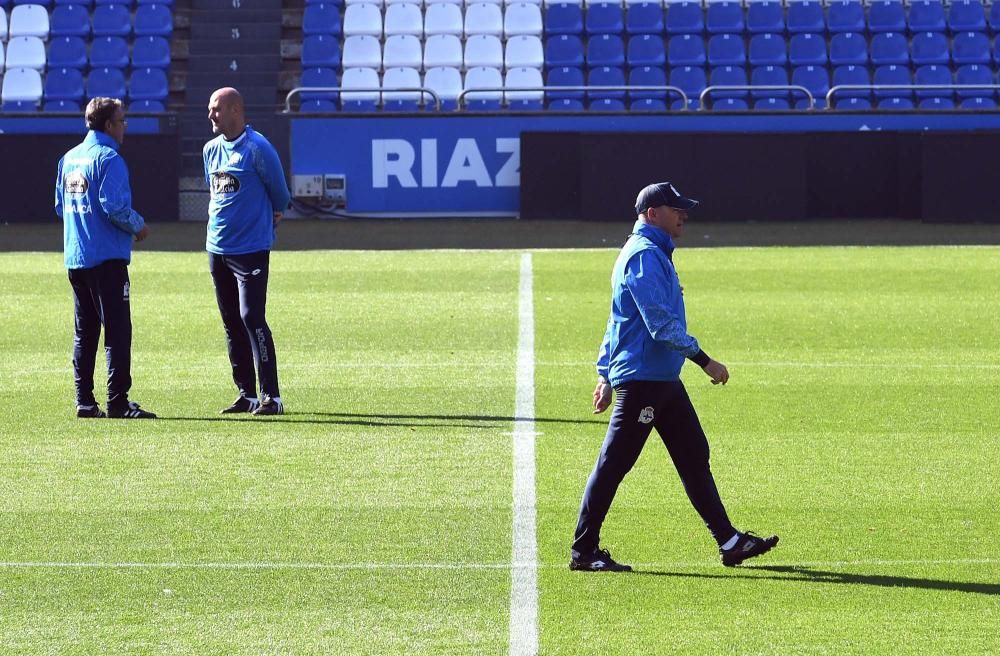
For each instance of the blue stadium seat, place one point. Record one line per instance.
(887, 16)
(994, 18)
(563, 50)
(169, 3)
(730, 105)
(61, 106)
(933, 74)
(606, 76)
(996, 50)
(762, 76)
(564, 18)
(852, 104)
(89, 4)
(646, 50)
(893, 74)
(970, 48)
(112, 20)
(978, 103)
(127, 3)
(685, 18)
(890, 48)
(967, 16)
(19, 106)
(604, 18)
(108, 82)
(151, 52)
(319, 77)
(648, 76)
(726, 50)
(109, 52)
(765, 17)
(816, 80)
(320, 51)
(566, 105)
(768, 50)
(686, 50)
(807, 50)
(770, 104)
(845, 16)
(606, 105)
(926, 16)
(148, 84)
(848, 48)
(317, 106)
(929, 48)
(975, 74)
(895, 103)
(691, 80)
(605, 50)
(70, 20)
(851, 75)
(153, 20)
(645, 18)
(64, 84)
(727, 76)
(724, 17)
(647, 105)
(146, 107)
(322, 18)
(67, 52)
(806, 17)
(936, 103)
(566, 76)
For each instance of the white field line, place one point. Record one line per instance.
(524, 578)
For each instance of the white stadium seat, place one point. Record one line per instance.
(446, 2)
(446, 82)
(400, 78)
(518, 78)
(483, 50)
(524, 50)
(402, 50)
(3, 24)
(23, 84)
(482, 18)
(443, 18)
(29, 20)
(404, 19)
(359, 2)
(363, 19)
(522, 18)
(26, 52)
(484, 78)
(360, 78)
(442, 50)
(362, 52)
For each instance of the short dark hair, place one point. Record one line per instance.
(100, 110)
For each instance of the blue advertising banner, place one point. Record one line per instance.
(469, 165)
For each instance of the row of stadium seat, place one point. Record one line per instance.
(71, 52)
(479, 18)
(404, 50)
(23, 88)
(77, 20)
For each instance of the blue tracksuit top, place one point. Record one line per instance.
(248, 186)
(646, 337)
(95, 203)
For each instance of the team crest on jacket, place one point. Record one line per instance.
(224, 183)
(646, 416)
(75, 183)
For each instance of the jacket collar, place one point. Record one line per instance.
(657, 236)
(93, 136)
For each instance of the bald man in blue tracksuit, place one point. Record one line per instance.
(248, 197)
(644, 347)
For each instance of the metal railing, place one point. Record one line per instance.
(707, 91)
(366, 90)
(545, 89)
(905, 87)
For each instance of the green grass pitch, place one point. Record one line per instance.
(861, 424)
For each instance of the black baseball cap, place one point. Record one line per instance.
(662, 193)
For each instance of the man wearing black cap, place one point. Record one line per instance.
(644, 347)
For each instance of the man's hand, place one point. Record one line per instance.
(717, 372)
(142, 234)
(277, 218)
(602, 396)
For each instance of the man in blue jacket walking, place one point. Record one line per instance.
(248, 197)
(644, 348)
(95, 202)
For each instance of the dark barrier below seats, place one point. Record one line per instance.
(28, 171)
(934, 176)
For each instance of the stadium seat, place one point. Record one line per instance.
(770, 104)
(363, 19)
(686, 50)
(442, 50)
(564, 18)
(484, 78)
(61, 106)
(483, 50)
(929, 48)
(28, 20)
(21, 85)
(848, 48)
(3, 25)
(729, 105)
(483, 18)
(153, 20)
(994, 18)
(523, 51)
(112, 20)
(317, 106)
(564, 50)
(685, 18)
(446, 81)
(728, 76)
(146, 106)
(975, 74)
(996, 50)
(691, 80)
(768, 50)
(648, 76)
(168, 3)
(726, 50)
(566, 76)
(647, 105)
(605, 50)
(64, 84)
(402, 51)
(933, 74)
(522, 18)
(605, 76)
(853, 75)
(645, 18)
(895, 103)
(404, 18)
(893, 75)
(926, 16)
(807, 50)
(319, 77)
(320, 50)
(890, 48)
(359, 52)
(845, 16)
(70, 20)
(806, 17)
(886, 16)
(565, 105)
(724, 17)
(523, 77)
(765, 17)
(816, 80)
(359, 101)
(978, 102)
(109, 52)
(966, 16)
(936, 103)
(323, 18)
(151, 52)
(606, 105)
(148, 84)
(646, 50)
(851, 103)
(763, 76)
(604, 18)
(26, 52)
(443, 18)
(970, 48)
(109, 82)
(65, 52)
(401, 78)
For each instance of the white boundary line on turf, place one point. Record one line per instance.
(524, 579)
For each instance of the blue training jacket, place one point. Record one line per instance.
(95, 202)
(248, 186)
(646, 337)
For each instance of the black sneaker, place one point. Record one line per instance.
(598, 561)
(747, 546)
(131, 411)
(242, 404)
(90, 412)
(269, 406)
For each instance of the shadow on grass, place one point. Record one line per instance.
(798, 574)
(479, 422)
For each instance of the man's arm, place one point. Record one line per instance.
(59, 189)
(268, 166)
(115, 198)
(603, 391)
